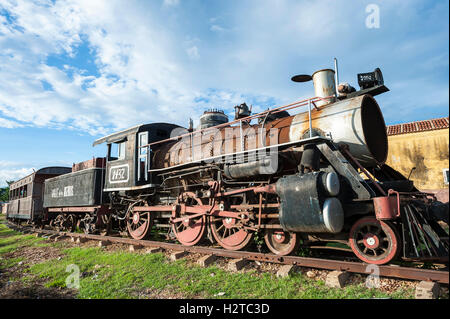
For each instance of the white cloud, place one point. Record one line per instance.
(171, 2)
(4, 163)
(144, 62)
(142, 76)
(193, 52)
(10, 171)
(217, 28)
(9, 124)
(137, 57)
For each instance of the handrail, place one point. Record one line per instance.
(248, 118)
(294, 105)
(213, 158)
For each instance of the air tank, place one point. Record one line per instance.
(307, 203)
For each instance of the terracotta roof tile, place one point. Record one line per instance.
(440, 123)
(419, 126)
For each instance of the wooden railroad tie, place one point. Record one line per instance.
(206, 260)
(237, 264)
(178, 255)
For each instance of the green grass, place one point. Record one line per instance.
(11, 240)
(121, 274)
(124, 275)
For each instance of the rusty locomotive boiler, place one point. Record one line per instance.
(308, 173)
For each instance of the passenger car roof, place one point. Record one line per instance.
(51, 170)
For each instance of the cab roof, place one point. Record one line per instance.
(119, 136)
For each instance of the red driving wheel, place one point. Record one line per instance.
(230, 233)
(190, 230)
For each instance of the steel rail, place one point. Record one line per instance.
(393, 271)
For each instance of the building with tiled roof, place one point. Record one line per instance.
(419, 126)
(421, 150)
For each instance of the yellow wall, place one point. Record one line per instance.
(427, 151)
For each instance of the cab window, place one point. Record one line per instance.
(117, 151)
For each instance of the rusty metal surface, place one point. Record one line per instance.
(83, 209)
(221, 141)
(324, 85)
(225, 138)
(283, 147)
(245, 119)
(357, 122)
(355, 267)
(386, 207)
(348, 122)
(99, 162)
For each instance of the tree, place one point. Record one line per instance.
(4, 192)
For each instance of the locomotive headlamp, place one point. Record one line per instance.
(371, 79)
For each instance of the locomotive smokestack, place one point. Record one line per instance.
(324, 82)
(324, 85)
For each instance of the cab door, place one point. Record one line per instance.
(142, 158)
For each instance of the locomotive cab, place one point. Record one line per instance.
(127, 160)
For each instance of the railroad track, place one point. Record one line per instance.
(392, 271)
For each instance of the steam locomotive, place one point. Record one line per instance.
(312, 178)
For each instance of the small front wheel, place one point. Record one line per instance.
(374, 241)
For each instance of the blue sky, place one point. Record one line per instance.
(72, 71)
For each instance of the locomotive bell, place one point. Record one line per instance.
(242, 111)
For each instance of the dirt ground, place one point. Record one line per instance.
(34, 288)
